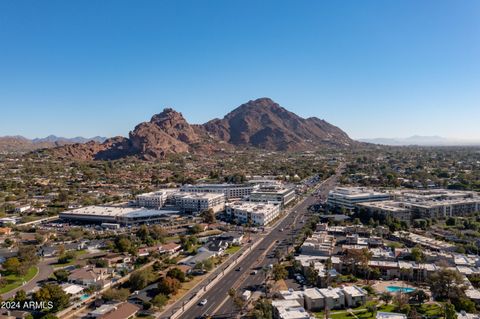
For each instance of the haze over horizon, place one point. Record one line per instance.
(375, 69)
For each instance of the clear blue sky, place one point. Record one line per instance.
(374, 68)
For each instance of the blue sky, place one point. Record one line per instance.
(374, 68)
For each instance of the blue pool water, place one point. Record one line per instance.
(83, 297)
(400, 289)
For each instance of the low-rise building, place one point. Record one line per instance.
(348, 197)
(256, 213)
(231, 191)
(273, 194)
(155, 199)
(88, 275)
(320, 243)
(388, 209)
(390, 315)
(116, 215)
(289, 309)
(198, 202)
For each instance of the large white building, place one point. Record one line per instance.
(257, 213)
(349, 197)
(273, 194)
(198, 202)
(411, 204)
(230, 191)
(155, 199)
(115, 215)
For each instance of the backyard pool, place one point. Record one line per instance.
(83, 297)
(400, 289)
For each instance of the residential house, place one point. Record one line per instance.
(88, 276)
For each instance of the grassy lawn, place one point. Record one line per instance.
(360, 312)
(232, 249)
(14, 281)
(430, 310)
(73, 261)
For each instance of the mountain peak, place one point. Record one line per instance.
(260, 123)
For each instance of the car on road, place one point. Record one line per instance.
(254, 272)
(239, 269)
(281, 229)
(203, 302)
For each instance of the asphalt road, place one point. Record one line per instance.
(45, 269)
(219, 303)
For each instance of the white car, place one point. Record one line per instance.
(203, 302)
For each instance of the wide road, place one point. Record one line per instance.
(218, 301)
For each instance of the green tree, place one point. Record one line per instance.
(159, 301)
(20, 296)
(61, 275)
(386, 297)
(311, 274)
(418, 296)
(263, 309)
(177, 274)
(208, 216)
(279, 272)
(12, 265)
(417, 254)
(141, 278)
(168, 286)
(446, 284)
(450, 312)
(53, 293)
(113, 294)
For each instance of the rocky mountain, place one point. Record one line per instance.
(20, 144)
(265, 124)
(260, 123)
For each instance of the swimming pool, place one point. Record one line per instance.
(83, 297)
(400, 289)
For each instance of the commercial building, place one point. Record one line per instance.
(231, 191)
(115, 215)
(198, 202)
(257, 213)
(273, 194)
(155, 199)
(348, 197)
(388, 208)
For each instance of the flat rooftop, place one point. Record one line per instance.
(194, 195)
(110, 211)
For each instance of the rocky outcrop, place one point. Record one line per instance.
(260, 123)
(263, 123)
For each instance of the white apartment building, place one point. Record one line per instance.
(155, 199)
(349, 197)
(388, 208)
(319, 244)
(198, 202)
(316, 299)
(289, 309)
(230, 191)
(257, 213)
(273, 194)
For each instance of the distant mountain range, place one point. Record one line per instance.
(421, 141)
(260, 123)
(20, 144)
